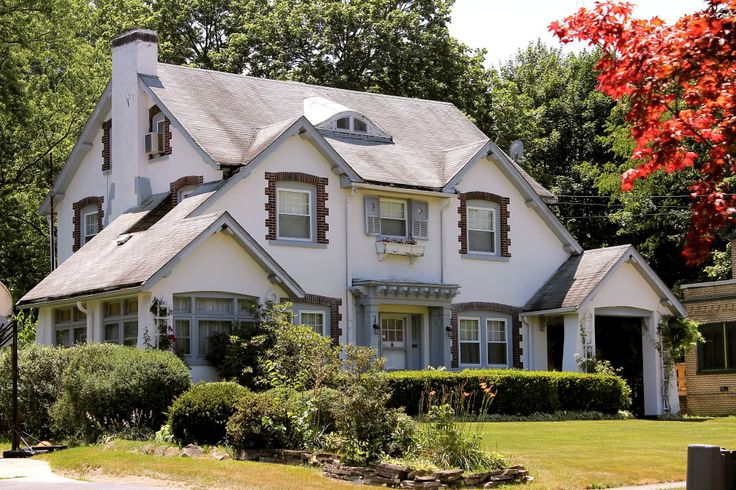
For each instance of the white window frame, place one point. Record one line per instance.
(185, 192)
(235, 316)
(158, 123)
(493, 231)
(71, 325)
(405, 204)
(121, 320)
(478, 342)
(89, 210)
(310, 213)
(505, 341)
(314, 312)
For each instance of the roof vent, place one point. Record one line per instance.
(122, 239)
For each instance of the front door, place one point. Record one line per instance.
(393, 340)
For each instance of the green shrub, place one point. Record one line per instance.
(40, 371)
(517, 392)
(110, 388)
(200, 414)
(260, 421)
(312, 416)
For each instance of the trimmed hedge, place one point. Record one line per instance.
(200, 414)
(110, 388)
(517, 392)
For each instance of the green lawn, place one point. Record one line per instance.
(576, 454)
(580, 454)
(89, 461)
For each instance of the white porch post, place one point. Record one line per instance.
(573, 343)
(447, 341)
(652, 366)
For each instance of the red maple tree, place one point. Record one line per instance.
(679, 81)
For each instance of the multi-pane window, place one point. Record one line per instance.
(393, 217)
(496, 339)
(718, 352)
(469, 338)
(90, 223)
(70, 326)
(314, 319)
(120, 321)
(481, 229)
(392, 331)
(198, 318)
(294, 211)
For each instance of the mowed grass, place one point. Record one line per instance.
(599, 454)
(88, 462)
(560, 455)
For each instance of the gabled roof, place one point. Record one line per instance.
(115, 259)
(232, 118)
(581, 275)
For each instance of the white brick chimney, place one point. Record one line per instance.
(133, 52)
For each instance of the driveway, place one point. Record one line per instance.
(33, 474)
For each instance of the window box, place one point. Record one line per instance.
(406, 249)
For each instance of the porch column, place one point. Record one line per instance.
(652, 367)
(372, 316)
(447, 341)
(572, 344)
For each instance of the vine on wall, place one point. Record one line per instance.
(676, 337)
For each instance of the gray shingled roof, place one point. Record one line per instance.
(103, 265)
(234, 117)
(575, 279)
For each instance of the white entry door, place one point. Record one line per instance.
(393, 340)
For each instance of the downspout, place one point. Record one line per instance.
(442, 239)
(348, 271)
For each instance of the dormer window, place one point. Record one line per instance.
(351, 124)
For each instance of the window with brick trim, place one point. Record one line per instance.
(718, 352)
(183, 187)
(87, 220)
(497, 354)
(469, 338)
(297, 203)
(159, 123)
(499, 334)
(484, 224)
(314, 319)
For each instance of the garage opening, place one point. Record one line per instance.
(619, 341)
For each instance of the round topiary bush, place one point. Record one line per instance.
(114, 389)
(200, 414)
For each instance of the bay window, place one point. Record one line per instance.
(120, 321)
(70, 326)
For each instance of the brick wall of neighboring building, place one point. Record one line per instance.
(710, 393)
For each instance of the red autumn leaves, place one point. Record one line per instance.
(678, 81)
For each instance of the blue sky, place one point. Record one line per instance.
(504, 26)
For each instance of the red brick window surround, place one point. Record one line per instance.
(502, 221)
(320, 211)
(333, 304)
(77, 208)
(167, 131)
(183, 182)
(458, 309)
(106, 150)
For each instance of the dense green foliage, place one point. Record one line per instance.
(260, 421)
(40, 371)
(517, 392)
(108, 387)
(200, 414)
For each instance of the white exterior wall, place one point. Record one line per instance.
(88, 180)
(536, 252)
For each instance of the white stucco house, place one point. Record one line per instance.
(386, 221)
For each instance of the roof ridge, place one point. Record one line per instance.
(625, 245)
(295, 82)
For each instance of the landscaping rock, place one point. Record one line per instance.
(476, 478)
(420, 484)
(392, 471)
(171, 451)
(348, 473)
(159, 451)
(148, 449)
(449, 476)
(294, 457)
(326, 458)
(219, 455)
(191, 451)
